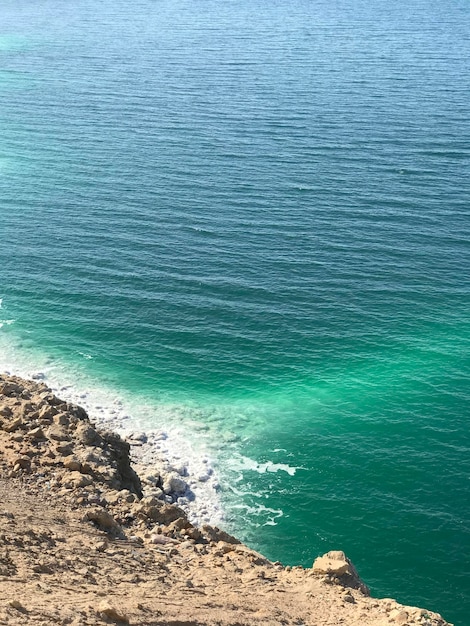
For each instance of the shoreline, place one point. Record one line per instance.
(166, 450)
(87, 542)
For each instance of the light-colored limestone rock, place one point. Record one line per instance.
(334, 563)
(174, 484)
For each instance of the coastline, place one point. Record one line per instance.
(167, 450)
(89, 537)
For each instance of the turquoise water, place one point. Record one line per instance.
(250, 221)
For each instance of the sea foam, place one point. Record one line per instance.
(171, 448)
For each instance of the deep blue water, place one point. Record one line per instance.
(250, 221)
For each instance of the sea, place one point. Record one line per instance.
(244, 224)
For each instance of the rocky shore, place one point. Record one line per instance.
(91, 534)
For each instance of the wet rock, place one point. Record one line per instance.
(138, 437)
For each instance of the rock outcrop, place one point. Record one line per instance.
(82, 543)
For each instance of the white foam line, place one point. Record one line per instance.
(244, 463)
(168, 448)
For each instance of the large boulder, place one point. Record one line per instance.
(336, 564)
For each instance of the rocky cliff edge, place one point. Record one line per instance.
(84, 542)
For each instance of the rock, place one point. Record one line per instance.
(127, 496)
(112, 613)
(152, 478)
(174, 484)
(77, 411)
(162, 514)
(22, 462)
(215, 534)
(119, 450)
(102, 519)
(16, 604)
(182, 523)
(64, 448)
(336, 564)
(10, 389)
(101, 546)
(86, 434)
(57, 433)
(223, 548)
(399, 616)
(150, 501)
(194, 534)
(84, 563)
(158, 493)
(62, 419)
(76, 480)
(42, 568)
(37, 433)
(162, 539)
(72, 464)
(13, 425)
(46, 413)
(51, 399)
(141, 437)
